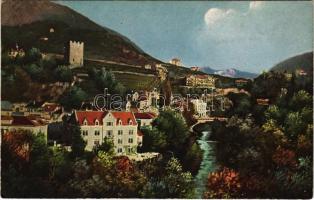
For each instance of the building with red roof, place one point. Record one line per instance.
(120, 126)
(145, 119)
(31, 123)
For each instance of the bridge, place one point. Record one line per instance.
(207, 119)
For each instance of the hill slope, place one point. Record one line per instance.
(303, 61)
(28, 23)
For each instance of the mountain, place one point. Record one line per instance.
(28, 23)
(303, 61)
(233, 73)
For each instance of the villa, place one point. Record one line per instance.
(120, 126)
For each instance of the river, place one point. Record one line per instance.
(208, 163)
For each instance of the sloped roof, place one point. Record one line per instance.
(144, 116)
(24, 120)
(91, 117)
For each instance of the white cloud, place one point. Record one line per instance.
(259, 36)
(214, 15)
(256, 5)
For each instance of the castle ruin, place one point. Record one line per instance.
(74, 53)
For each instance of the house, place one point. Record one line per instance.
(135, 96)
(175, 61)
(13, 53)
(120, 126)
(148, 66)
(145, 119)
(205, 81)
(241, 82)
(200, 107)
(31, 123)
(263, 102)
(194, 68)
(300, 72)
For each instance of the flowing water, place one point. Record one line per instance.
(208, 163)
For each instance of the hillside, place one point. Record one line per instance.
(302, 61)
(28, 23)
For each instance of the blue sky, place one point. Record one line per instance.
(250, 36)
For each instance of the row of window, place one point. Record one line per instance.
(120, 141)
(130, 150)
(109, 132)
(108, 123)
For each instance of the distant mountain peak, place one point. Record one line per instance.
(231, 72)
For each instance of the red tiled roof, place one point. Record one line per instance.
(26, 121)
(143, 116)
(50, 107)
(125, 117)
(91, 117)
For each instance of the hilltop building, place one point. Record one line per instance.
(74, 53)
(17, 52)
(175, 61)
(119, 126)
(195, 68)
(205, 81)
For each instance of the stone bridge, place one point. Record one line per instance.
(207, 119)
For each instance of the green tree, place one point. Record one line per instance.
(63, 73)
(153, 140)
(173, 125)
(300, 100)
(106, 146)
(34, 71)
(175, 183)
(73, 98)
(77, 142)
(32, 55)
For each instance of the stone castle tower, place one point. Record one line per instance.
(74, 53)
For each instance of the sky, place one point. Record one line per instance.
(250, 36)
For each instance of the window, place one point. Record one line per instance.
(109, 133)
(120, 132)
(109, 123)
(129, 150)
(119, 150)
(119, 121)
(97, 132)
(85, 122)
(85, 133)
(131, 140)
(96, 122)
(96, 142)
(120, 141)
(130, 121)
(130, 132)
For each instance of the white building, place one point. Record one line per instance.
(200, 107)
(121, 127)
(30, 123)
